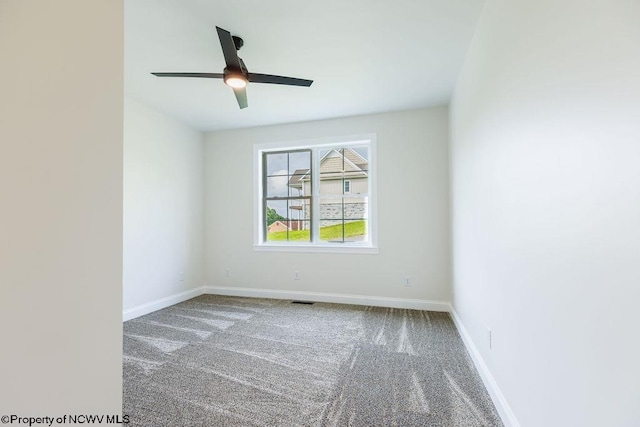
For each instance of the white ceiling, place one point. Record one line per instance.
(365, 56)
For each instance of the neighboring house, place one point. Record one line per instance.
(277, 226)
(343, 172)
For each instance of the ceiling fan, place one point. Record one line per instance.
(235, 74)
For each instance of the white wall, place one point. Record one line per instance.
(163, 207)
(60, 207)
(546, 207)
(413, 210)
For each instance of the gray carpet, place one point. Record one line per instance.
(229, 361)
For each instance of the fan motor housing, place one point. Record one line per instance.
(238, 42)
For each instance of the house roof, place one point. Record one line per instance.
(296, 179)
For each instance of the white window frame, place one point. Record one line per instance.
(367, 247)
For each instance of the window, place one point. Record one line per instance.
(347, 186)
(316, 195)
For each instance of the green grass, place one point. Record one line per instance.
(331, 232)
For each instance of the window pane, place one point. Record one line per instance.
(276, 164)
(280, 232)
(298, 161)
(344, 164)
(344, 208)
(359, 156)
(276, 211)
(277, 186)
(330, 208)
(299, 231)
(299, 209)
(343, 231)
(355, 208)
(332, 231)
(300, 183)
(343, 219)
(355, 231)
(288, 220)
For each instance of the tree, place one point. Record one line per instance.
(273, 216)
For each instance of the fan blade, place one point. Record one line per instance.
(278, 80)
(204, 75)
(229, 49)
(241, 96)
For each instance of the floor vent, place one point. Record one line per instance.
(302, 302)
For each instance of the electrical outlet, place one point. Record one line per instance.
(407, 281)
(228, 272)
(296, 275)
(489, 338)
(182, 276)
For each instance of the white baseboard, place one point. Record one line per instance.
(415, 304)
(161, 303)
(507, 415)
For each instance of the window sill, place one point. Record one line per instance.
(349, 249)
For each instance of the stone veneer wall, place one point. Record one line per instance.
(330, 212)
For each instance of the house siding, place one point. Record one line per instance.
(335, 186)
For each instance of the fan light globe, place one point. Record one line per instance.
(237, 81)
